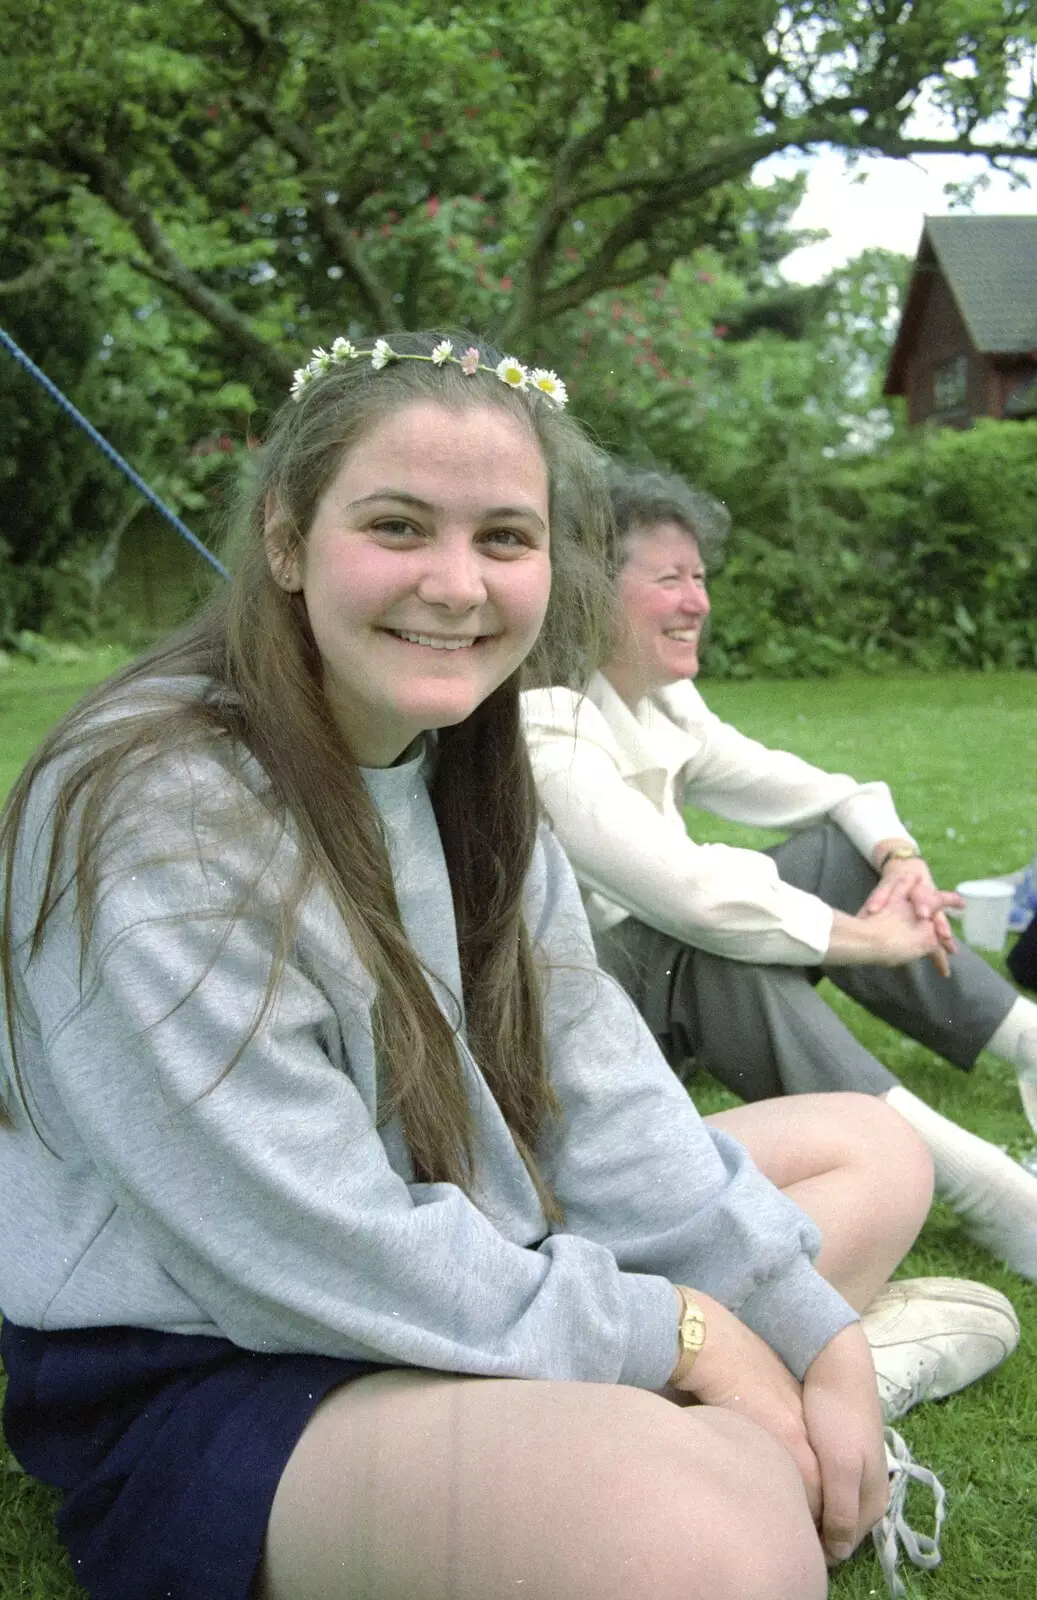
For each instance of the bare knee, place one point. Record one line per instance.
(714, 1506)
(764, 1545)
(865, 1132)
(896, 1150)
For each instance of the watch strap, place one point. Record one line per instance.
(899, 852)
(691, 1336)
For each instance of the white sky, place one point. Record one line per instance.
(886, 209)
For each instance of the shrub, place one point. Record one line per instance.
(930, 560)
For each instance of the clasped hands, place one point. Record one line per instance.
(830, 1424)
(913, 909)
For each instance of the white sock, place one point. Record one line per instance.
(1016, 1039)
(995, 1196)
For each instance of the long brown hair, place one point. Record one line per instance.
(253, 644)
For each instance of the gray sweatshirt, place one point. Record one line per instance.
(265, 1205)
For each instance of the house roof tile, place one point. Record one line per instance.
(990, 264)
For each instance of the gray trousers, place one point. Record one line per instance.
(764, 1031)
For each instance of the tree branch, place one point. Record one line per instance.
(661, 193)
(33, 277)
(261, 42)
(575, 154)
(107, 180)
(377, 296)
(257, 35)
(665, 195)
(893, 145)
(654, 184)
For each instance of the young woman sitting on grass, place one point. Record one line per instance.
(359, 1241)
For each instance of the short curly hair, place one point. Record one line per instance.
(641, 498)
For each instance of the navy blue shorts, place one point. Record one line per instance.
(168, 1450)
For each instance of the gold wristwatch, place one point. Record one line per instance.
(691, 1336)
(900, 852)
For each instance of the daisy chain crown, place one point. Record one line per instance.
(509, 371)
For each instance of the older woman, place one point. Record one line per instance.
(721, 948)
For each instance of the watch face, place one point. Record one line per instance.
(693, 1331)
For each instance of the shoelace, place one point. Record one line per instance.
(894, 1531)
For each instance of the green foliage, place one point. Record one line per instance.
(671, 373)
(194, 194)
(145, 373)
(925, 553)
(396, 164)
(856, 543)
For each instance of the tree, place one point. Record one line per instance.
(749, 387)
(295, 169)
(144, 373)
(195, 192)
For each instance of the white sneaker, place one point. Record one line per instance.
(931, 1336)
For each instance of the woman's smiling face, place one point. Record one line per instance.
(661, 588)
(426, 571)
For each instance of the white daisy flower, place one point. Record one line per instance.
(512, 372)
(301, 379)
(549, 383)
(509, 371)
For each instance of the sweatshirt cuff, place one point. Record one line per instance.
(796, 1314)
(652, 1349)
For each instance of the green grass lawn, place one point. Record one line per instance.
(961, 756)
(32, 698)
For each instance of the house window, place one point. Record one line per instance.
(949, 380)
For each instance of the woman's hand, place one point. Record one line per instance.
(831, 1424)
(890, 937)
(844, 1427)
(911, 881)
(736, 1370)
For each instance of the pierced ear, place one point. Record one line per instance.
(284, 568)
(283, 564)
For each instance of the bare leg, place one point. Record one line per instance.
(854, 1166)
(412, 1486)
(421, 1486)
